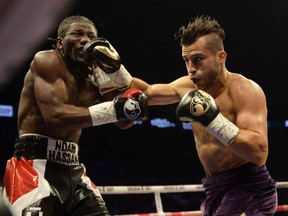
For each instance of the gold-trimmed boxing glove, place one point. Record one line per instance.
(106, 63)
(198, 105)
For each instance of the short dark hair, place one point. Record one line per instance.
(197, 27)
(65, 24)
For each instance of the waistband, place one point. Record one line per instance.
(35, 146)
(246, 170)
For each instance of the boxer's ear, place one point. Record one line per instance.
(59, 43)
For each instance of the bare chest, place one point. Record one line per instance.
(226, 107)
(81, 92)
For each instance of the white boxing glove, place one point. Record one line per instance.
(100, 52)
(100, 79)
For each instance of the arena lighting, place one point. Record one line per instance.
(6, 110)
(277, 124)
(165, 123)
(187, 126)
(162, 123)
(138, 122)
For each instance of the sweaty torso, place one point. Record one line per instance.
(79, 93)
(215, 156)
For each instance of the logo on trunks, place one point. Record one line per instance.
(63, 152)
(32, 211)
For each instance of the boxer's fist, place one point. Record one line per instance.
(100, 79)
(131, 105)
(99, 51)
(199, 106)
(128, 106)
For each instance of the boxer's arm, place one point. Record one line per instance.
(130, 105)
(198, 105)
(99, 52)
(251, 117)
(164, 94)
(51, 95)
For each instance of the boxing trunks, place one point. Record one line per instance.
(248, 188)
(44, 177)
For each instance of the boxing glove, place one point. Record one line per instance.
(100, 79)
(199, 106)
(130, 105)
(100, 52)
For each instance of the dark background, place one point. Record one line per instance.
(143, 34)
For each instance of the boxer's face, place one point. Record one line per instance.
(78, 34)
(204, 64)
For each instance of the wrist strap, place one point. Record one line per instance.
(101, 80)
(103, 113)
(223, 129)
(121, 78)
